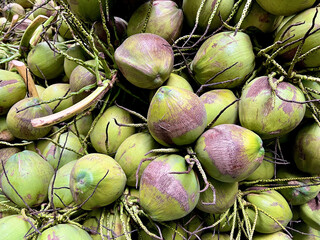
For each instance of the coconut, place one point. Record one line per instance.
(173, 230)
(20, 115)
(222, 51)
(43, 7)
(165, 196)
(74, 51)
(145, 60)
(190, 9)
(165, 19)
(33, 171)
(5, 134)
(229, 153)
(264, 171)
(107, 136)
(310, 212)
(82, 125)
(305, 232)
(225, 223)
(272, 236)
(6, 153)
(14, 227)
(176, 116)
(313, 86)
(12, 90)
(12, 9)
(100, 172)
(64, 231)
(263, 112)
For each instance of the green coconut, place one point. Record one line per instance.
(305, 232)
(44, 62)
(216, 101)
(226, 52)
(215, 236)
(30, 176)
(306, 150)
(12, 90)
(12, 9)
(272, 236)
(229, 153)
(5, 134)
(74, 51)
(220, 200)
(62, 196)
(285, 7)
(107, 136)
(15, 227)
(43, 7)
(173, 230)
(225, 221)
(54, 91)
(20, 115)
(176, 116)
(25, 3)
(311, 85)
(82, 125)
(263, 112)
(64, 231)
(132, 151)
(272, 203)
(190, 9)
(100, 172)
(165, 19)
(264, 171)
(145, 60)
(6, 153)
(166, 196)
(310, 212)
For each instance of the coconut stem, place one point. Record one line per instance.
(26, 75)
(75, 109)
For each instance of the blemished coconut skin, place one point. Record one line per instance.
(165, 20)
(19, 123)
(12, 90)
(176, 116)
(285, 7)
(145, 60)
(64, 231)
(85, 175)
(165, 196)
(310, 212)
(274, 204)
(272, 236)
(14, 227)
(306, 151)
(219, 52)
(229, 153)
(261, 111)
(33, 171)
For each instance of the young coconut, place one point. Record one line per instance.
(229, 153)
(74, 51)
(271, 113)
(145, 60)
(310, 212)
(6, 153)
(176, 116)
(272, 236)
(25, 169)
(167, 196)
(96, 180)
(14, 227)
(64, 231)
(227, 52)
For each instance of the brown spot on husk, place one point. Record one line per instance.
(258, 86)
(314, 204)
(7, 82)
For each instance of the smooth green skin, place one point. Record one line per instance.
(6, 153)
(164, 196)
(12, 90)
(306, 150)
(45, 63)
(64, 232)
(263, 112)
(220, 52)
(19, 124)
(107, 136)
(176, 116)
(310, 213)
(229, 153)
(5, 134)
(132, 151)
(62, 179)
(168, 233)
(297, 32)
(57, 90)
(87, 10)
(225, 195)
(315, 86)
(190, 8)
(30, 175)
(264, 171)
(86, 174)
(258, 18)
(82, 125)
(272, 236)
(145, 60)
(74, 51)
(216, 236)
(301, 195)
(215, 101)
(272, 203)
(285, 7)
(14, 227)
(52, 152)
(312, 234)
(168, 28)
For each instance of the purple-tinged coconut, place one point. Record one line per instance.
(262, 111)
(166, 196)
(145, 60)
(176, 116)
(229, 153)
(165, 20)
(310, 212)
